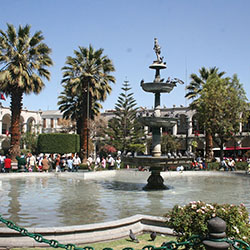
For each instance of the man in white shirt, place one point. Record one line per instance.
(76, 163)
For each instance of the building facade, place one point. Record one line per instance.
(51, 121)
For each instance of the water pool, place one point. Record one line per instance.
(47, 201)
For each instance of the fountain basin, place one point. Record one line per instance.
(161, 161)
(153, 121)
(158, 65)
(158, 87)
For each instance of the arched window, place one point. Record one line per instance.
(31, 125)
(182, 125)
(6, 124)
(197, 128)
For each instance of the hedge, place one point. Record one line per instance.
(58, 143)
(216, 165)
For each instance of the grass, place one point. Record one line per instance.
(144, 240)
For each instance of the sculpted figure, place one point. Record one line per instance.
(157, 50)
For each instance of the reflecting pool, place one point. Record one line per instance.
(54, 201)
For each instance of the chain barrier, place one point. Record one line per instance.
(171, 245)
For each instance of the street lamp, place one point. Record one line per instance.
(88, 121)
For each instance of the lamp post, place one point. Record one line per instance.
(88, 121)
(187, 128)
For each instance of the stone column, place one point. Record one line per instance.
(190, 127)
(175, 129)
(156, 142)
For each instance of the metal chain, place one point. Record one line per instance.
(39, 238)
(171, 245)
(174, 245)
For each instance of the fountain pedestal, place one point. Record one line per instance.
(155, 181)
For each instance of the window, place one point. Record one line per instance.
(44, 123)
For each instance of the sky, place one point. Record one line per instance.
(192, 34)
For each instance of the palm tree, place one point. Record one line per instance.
(87, 75)
(195, 86)
(70, 105)
(24, 60)
(197, 82)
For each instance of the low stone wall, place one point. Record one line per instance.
(89, 233)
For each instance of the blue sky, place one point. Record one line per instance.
(191, 33)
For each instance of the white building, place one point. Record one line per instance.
(50, 121)
(31, 121)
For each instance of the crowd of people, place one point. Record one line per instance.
(228, 164)
(108, 162)
(41, 163)
(72, 162)
(57, 163)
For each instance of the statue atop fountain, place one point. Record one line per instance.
(157, 50)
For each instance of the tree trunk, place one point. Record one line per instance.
(221, 150)
(84, 126)
(209, 146)
(16, 107)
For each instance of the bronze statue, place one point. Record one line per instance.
(157, 50)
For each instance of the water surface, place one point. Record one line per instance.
(53, 201)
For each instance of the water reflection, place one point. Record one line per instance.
(79, 201)
(43, 201)
(14, 204)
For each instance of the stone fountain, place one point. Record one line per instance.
(156, 121)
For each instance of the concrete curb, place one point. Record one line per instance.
(89, 233)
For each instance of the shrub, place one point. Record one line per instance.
(216, 165)
(58, 143)
(241, 165)
(213, 166)
(192, 219)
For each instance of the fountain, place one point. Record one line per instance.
(156, 161)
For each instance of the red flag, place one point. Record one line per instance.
(2, 97)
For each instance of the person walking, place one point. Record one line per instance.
(45, 164)
(7, 164)
(76, 163)
(2, 157)
(70, 163)
(118, 162)
(97, 162)
(22, 164)
(103, 163)
(111, 162)
(31, 162)
(58, 160)
(89, 162)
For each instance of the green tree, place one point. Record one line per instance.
(194, 88)
(24, 60)
(29, 139)
(123, 129)
(221, 107)
(70, 105)
(169, 143)
(86, 77)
